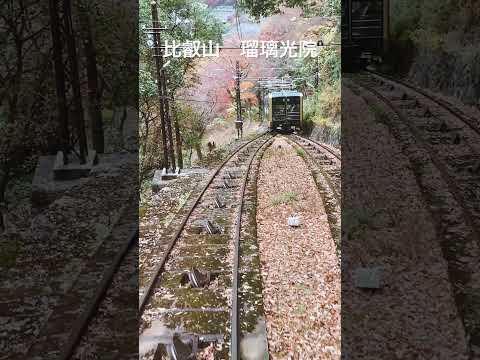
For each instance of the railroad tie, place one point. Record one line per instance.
(477, 169)
(443, 127)
(227, 184)
(178, 350)
(211, 228)
(456, 139)
(197, 279)
(219, 203)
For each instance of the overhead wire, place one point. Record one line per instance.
(204, 101)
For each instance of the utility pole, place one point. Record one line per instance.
(168, 122)
(161, 95)
(239, 121)
(178, 136)
(317, 70)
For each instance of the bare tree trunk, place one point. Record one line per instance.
(3, 182)
(94, 97)
(75, 79)
(143, 144)
(178, 137)
(260, 105)
(159, 65)
(2, 222)
(3, 188)
(119, 122)
(198, 150)
(168, 122)
(59, 79)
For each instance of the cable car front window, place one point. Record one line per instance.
(293, 104)
(278, 106)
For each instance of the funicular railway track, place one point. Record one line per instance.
(328, 160)
(101, 279)
(193, 293)
(441, 143)
(67, 328)
(328, 148)
(225, 231)
(473, 123)
(325, 164)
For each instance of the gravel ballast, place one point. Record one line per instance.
(300, 268)
(386, 223)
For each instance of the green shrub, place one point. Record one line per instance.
(300, 152)
(307, 126)
(284, 198)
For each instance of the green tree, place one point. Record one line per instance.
(183, 20)
(265, 8)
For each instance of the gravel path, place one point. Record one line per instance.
(300, 269)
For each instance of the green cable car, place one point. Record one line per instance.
(284, 110)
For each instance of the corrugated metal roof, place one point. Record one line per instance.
(285, 93)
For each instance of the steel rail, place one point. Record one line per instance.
(328, 191)
(450, 182)
(339, 157)
(468, 120)
(328, 178)
(453, 188)
(159, 268)
(91, 309)
(235, 335)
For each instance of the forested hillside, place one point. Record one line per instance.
(445, 35)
